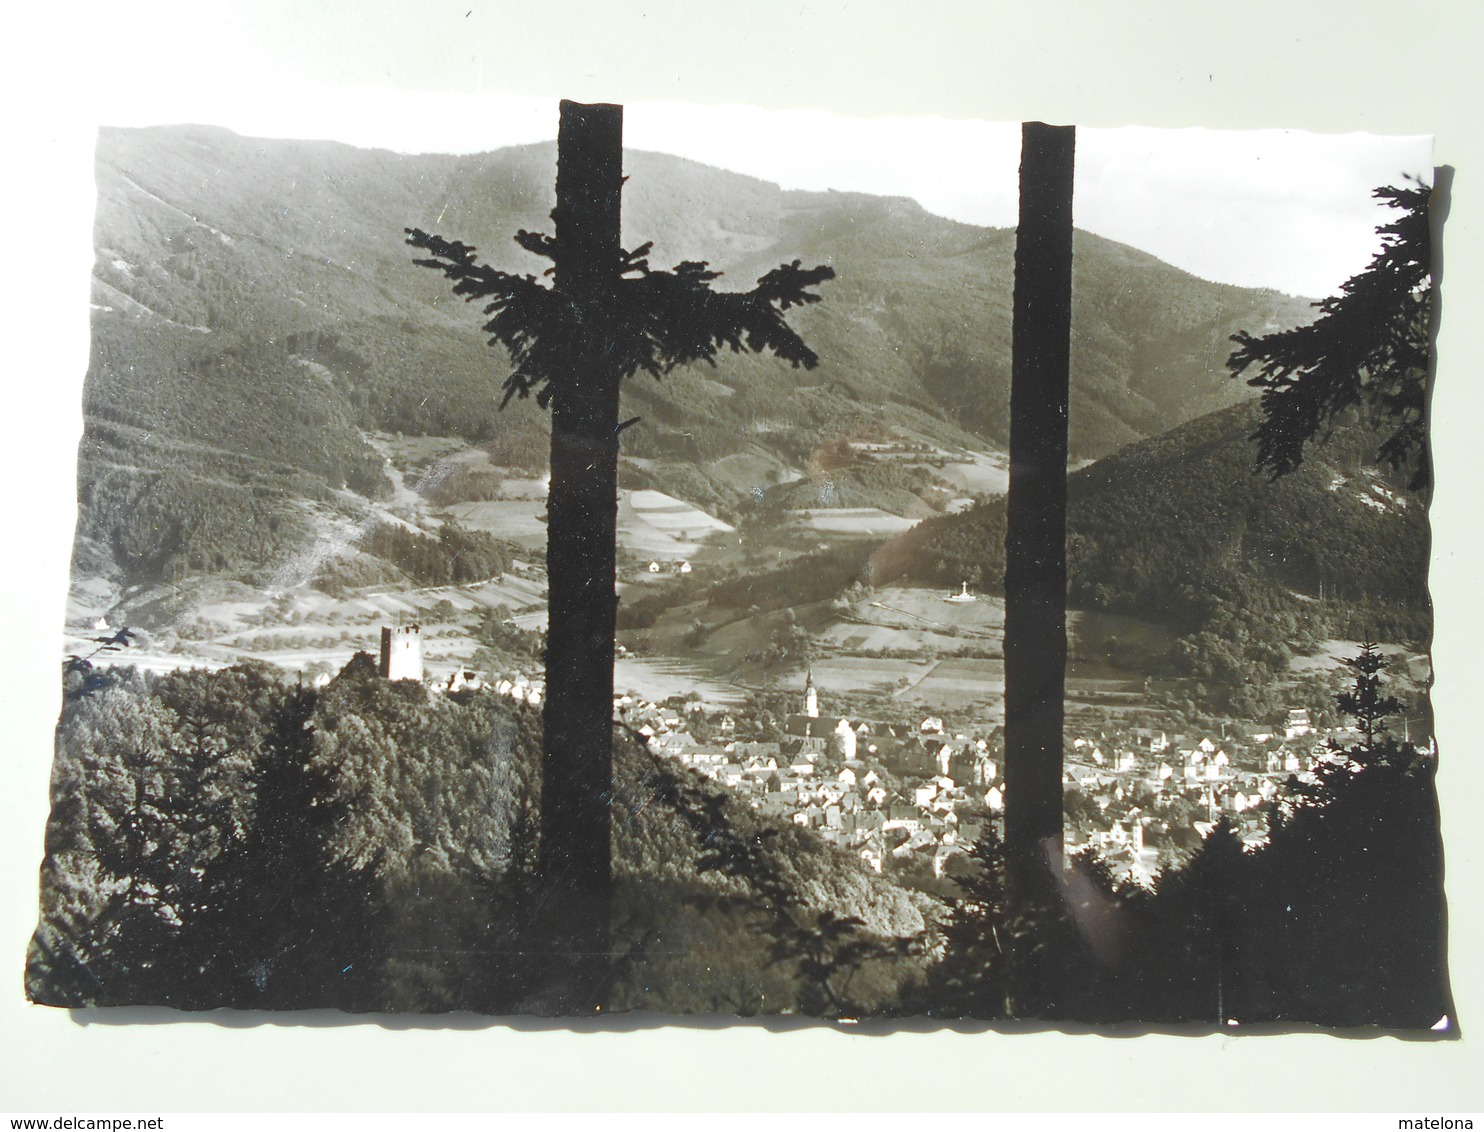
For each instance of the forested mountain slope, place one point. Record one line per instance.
(1180, 529)
(228, 839)
(256, 311)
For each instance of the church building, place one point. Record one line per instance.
(814, 737)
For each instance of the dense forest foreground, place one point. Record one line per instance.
(232, 839)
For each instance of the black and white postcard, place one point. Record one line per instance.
(640, 559)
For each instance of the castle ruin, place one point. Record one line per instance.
(401, 652)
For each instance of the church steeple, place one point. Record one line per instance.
(811, 697)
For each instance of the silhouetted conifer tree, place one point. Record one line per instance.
(1369, 707)
(971, 980)
(607, 317)
(1036, 536)
(1347, 898)
(207, 838)
(1338, 919)
(1368, 350)
(289, 922)
(1203, 909)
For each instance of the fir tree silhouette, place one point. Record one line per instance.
(607, 317)
(1368, 350)
(215, 849)
(1035, 541)
(286, 920)
(1349, 890)
(1338, 920)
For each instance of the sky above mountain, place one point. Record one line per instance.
(1273, 208)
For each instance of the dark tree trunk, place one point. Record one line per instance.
(1035, 545)
(577, 765)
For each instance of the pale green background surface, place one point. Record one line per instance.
(1320, 66)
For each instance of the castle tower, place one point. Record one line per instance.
(811, 697)
(401, 652)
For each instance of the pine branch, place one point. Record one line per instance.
(651, 322)
(1367, 350)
